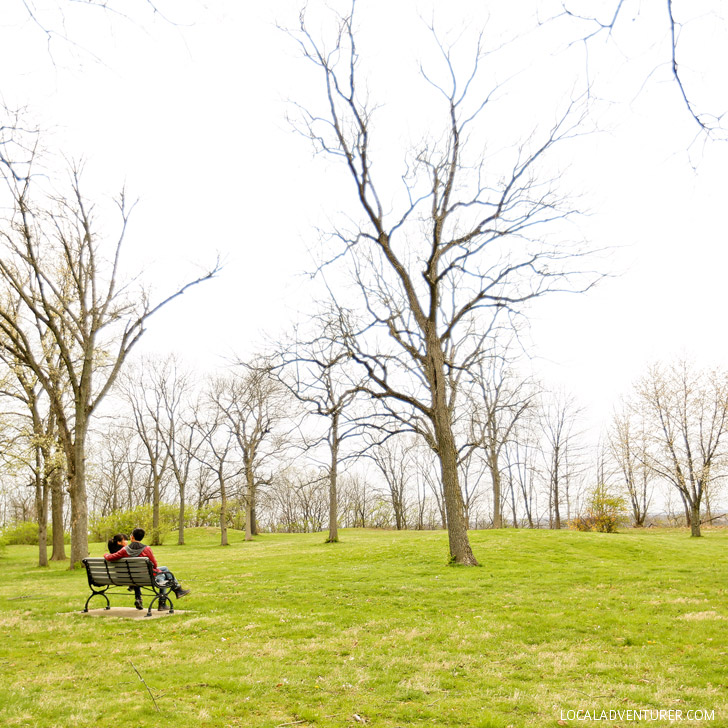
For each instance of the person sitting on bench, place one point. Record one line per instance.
(116, 543)
(164, 577)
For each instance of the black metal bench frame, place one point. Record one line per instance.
(104, 576)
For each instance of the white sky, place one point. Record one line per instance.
(192, 119)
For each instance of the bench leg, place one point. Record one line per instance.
(161, 597)
(108, 604)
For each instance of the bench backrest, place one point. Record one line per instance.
(136, 571)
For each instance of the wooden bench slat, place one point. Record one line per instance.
(135, 571)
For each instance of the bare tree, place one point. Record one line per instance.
(395, 459)
(688, 415)
(299, 500)
(142, 387)
(358, 497)
(473, 474)
(670, 21)
(317, 371)
(158, 395)
(34, 449)
(629, 444)
(250, 407)
(218, 447)
(521, 468)
(183, 441)
(69, 294)
(499, 400)
(52, 20)
(560, 449)
(434, 274)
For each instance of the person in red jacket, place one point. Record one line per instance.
(116, 543)
(163, 576)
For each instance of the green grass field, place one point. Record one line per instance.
(377, 630)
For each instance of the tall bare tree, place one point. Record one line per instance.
(158, 392)
(629, 446)
(560, 451)
(67, 282)
(395, 459)
(433, 274)
(521, 468)
(250, 406)
(317, 371)
(217, 450)
(183, 441)
(499, 400)
(688, 414)
(144, 390)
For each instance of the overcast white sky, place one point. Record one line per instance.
(192, 119)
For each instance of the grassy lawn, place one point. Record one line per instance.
(378, 630)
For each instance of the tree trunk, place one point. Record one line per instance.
(59, 548)
(156, 534)
(513, 502)
(555, 491)
(708, 507)
(460, 551)
(41, 509)
(557, 512)
(181, 527)
(496, 478)
(695, 519)
(223, 511)
(686, 507)
(333, 505)
(79, 503)
(441, 417)
(249, 503)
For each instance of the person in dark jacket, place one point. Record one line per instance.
(163, 576)
(116, 543)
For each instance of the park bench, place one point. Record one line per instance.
(104, 576)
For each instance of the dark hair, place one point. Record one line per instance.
(138, 534)
(115, 542)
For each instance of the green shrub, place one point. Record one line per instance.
(25, 533)
(103, 528)
(209, 515)
(604, 513)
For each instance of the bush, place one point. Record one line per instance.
(604, 513)
(103, 528)
(25, 533)
(209, 515)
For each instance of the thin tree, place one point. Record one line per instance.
(250, 406)
(560, 448)
(317, 371)
(217, 450)
(500, 399)
(144, 390)
(395, 459)
(165, 424)
(628, 443)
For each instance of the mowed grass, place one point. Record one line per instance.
(377, 630)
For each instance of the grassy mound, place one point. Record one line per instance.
(378, 630)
